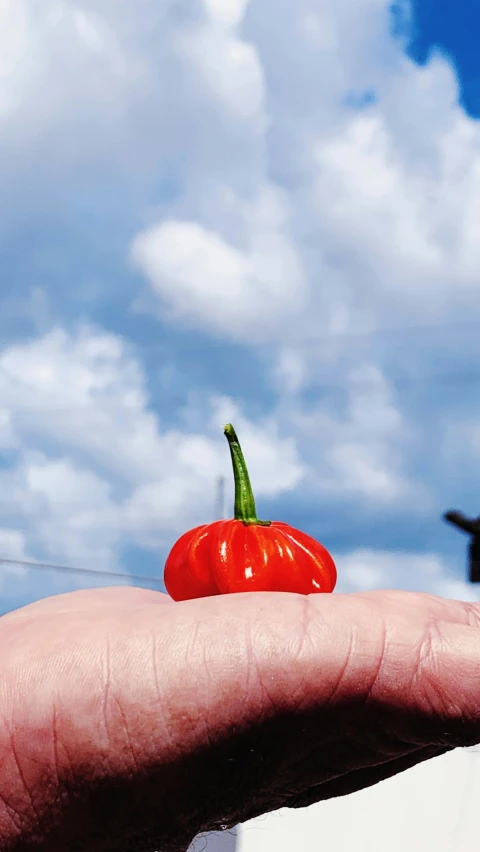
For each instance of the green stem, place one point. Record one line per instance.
(245, 510)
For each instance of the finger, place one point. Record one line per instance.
(369, 669)
(89, 599)
(413, 655)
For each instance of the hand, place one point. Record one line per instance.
(128, 722)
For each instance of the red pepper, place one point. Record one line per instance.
(245, 554)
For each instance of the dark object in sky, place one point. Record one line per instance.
(472, 527)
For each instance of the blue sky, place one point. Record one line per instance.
(453, 29)
(206, 217)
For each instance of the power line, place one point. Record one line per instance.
(67, 569)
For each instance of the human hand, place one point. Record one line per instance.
(129, 722)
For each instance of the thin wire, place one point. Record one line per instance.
(66, 569)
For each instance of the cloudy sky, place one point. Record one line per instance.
(265, 212)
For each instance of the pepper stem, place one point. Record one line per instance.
(245, 510)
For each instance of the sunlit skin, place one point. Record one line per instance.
(245, 554)
(131, 722)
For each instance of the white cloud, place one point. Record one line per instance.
(229, 68)
(53, 387)
(274, 461)
(357, 449)
(382, 203)
(113, 473)
(15, 579)
(464, 435)
(185, 494)
(228, 12)
(45, 50)
(12, 544)
(295, 217)
(69, 511)
(88, 82)
(369, 569)
(97, 468)
(289, 373)
(13, 49)
(7, 439)
(245, 292)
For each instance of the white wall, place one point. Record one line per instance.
(225, 841)
(432, 808)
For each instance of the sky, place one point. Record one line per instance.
(254, 211)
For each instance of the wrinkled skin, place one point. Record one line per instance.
(129, 722)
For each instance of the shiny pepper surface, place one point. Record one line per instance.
(245, 554)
